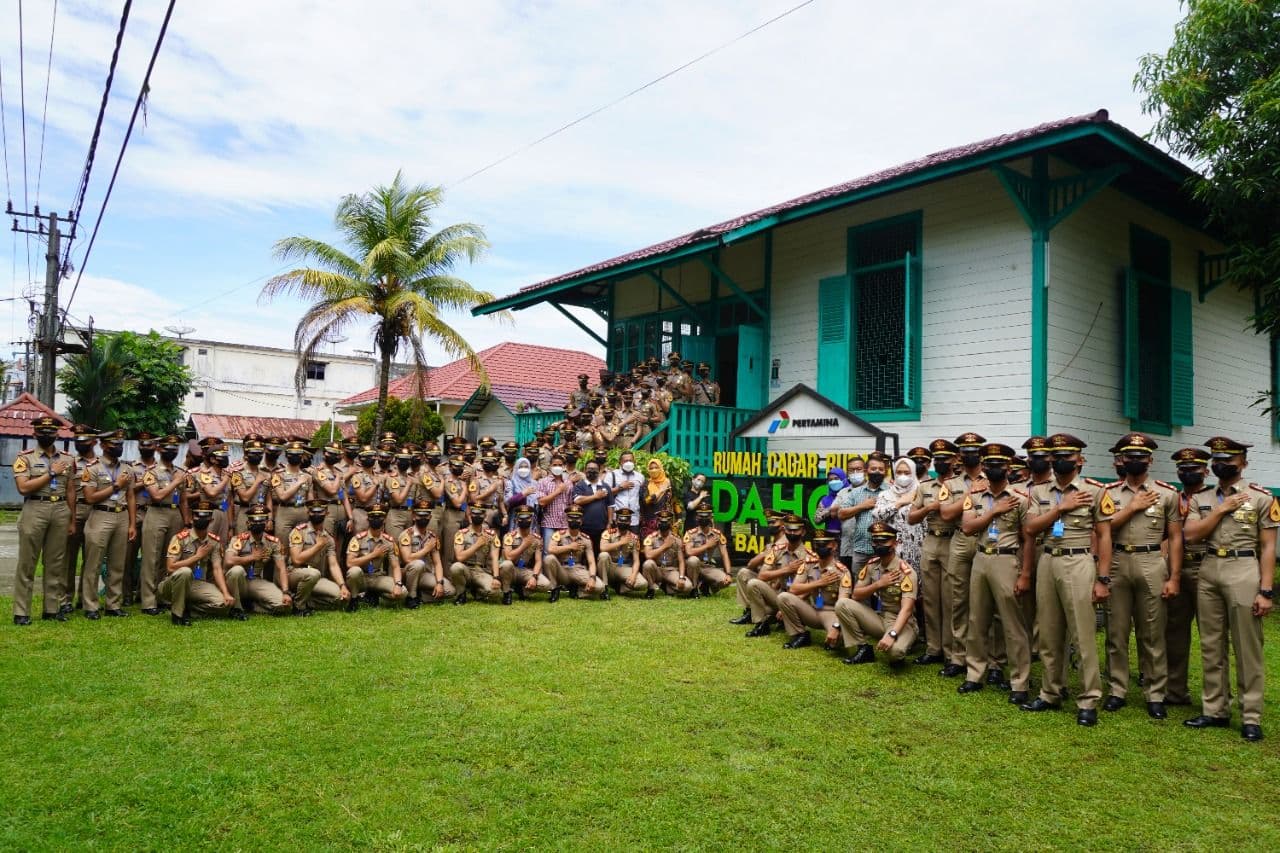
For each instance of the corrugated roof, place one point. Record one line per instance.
(234, 427)
(16, 417)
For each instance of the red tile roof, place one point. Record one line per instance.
(546, 399)
(16, 417)
(524, 366)
(235, 427)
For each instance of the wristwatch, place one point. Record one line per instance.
(893, 635)
(1105, 580)
(1268, 594)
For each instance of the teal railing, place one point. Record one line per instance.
(529, 424)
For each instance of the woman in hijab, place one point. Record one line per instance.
(521, 489)
(836, 481)
(656, 498)
(893, 505)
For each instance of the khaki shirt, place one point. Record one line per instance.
(361, 479)
(927, 493)
(956, 489)
(364, 542)
(894, 597)
(396, 481)
(667, 557)
(34, 463)
(415, 540)
(1077, 525)
(779, 556)
(305, 535)
(329, 476)
(477, 485)
(1007, 528)
(160, 477)
(695, 538)
(81, 466)
(1186, 505)
(624, 553)
(455, 493)
(184, 545)
(99, 475)
(207, 475)
(1148, 527)
(242, 478)
(1242, 529)
(242, 545)
(466, 537)
(809, 570)
(513, 540)
(706, 393)
(284, 480)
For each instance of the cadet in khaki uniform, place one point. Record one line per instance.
(147, 445)
(895, 582)
(45, 478)
(195, 579)
(291, 490)
(522, 557)
(620, 555)
(779, 563)
(215, 485)
(1039, 472)
(431, 483)
(401, 489)
(1193, 465)
(572, 560)
(329, 483)
(85, 440)
(774, 542)
(706, 392)
(664, 563)
(1068, 509)
(998, 578)
(1238, 525)
(252, 483)
(931, 495)
(454, 517)
(420, 559)
(163, 483)
(810, 600)
(706, 554)
(261, 556)
(312, 551)
(108, 489)
(373, 563)
(362, 487)
(475, 568)
(1146, 514)
(961, 490)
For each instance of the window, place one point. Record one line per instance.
(199, 395)
(634, 340)
(306, 402)
(1159, 379)
(315, 370)
(202, 351)
(869, 322)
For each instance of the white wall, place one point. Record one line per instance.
(496, 421)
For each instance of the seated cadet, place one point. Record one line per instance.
(261, 556)
(664, 560)
(373, 566)
(475, 568)
(311, 550)
(572, 560)
(895, 582)
(774, 542)
(194, 576)
(620, 555)
(522, 557)
(810, 600)
(420, 558)
(777, 566)
(707, 554)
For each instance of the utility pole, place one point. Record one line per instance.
(49, 342)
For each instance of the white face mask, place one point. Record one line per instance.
(557, 470)
(628, 466)
(904, 480)
(857, 478)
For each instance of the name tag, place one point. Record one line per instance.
(1058, 529)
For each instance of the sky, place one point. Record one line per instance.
(261, 116)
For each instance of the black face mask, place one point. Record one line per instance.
(824, 550)
(664, 526)
(168, 455)
(771, 530)
(253, 458)
(1191, 479)
(421, 523)
(995, 473)
(376, 523)
(1063, 467)
(46, 441)
(455, 470)
(468, 457)
(882, 550)
(201, 523)
(969, 460)
(570, 462)
(1135, 467)
(510, 458)
(258, 527)
(704, 523)
(1038, 465)
(575, 525)
(112, 452)
(433, 459)
(524, 523)
(875, 478)
(490, 467)
(366, 463)
(316, 518)
(592, 474)
(218, 461)
(332, 458)
(795, 538)
(1225, 471)
(1119, 466)
(83, 447)
(477, 518)
(146, 455)
(293, 458)
(403, 464)
(942, 469)
(922, 468)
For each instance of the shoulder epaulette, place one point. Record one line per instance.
(1258, 488)
(243, 536)
(1097, 483)
(1114, 485)
(270, 538)
(183, 534)
(213, 536)
(1165, 485)
(363, 534)
(300, 526)
(1021, 492)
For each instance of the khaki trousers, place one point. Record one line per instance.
(132, 559)
(75, 551)
(183, 594)
(861, 625)
(619, 574)
(668, 577)
(379, 582)
(264, 596)
(302, 584)
(1180, 612)
(933, 571)
(42, 534)
(955, 592)
(161, 524)
(450, 523)
(421, 581)
(520, 576)
(577, 575)
(990, 593)
(762, 599)
(1136, 582)
(477, 581)
(335, 521)
(744, 577)
(715, 577)
(237, 581)
(798, 615)
(287, 518)
(106, 536)
(1224, 611)
(324, 592)
(398, 520)
(1064, 608)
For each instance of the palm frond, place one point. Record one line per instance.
(319, 252)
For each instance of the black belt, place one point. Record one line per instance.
(104, 508)
(164, 505)
(53, 499)
(1065, 552)
(942, 534)
(1225, 552)
(1192, 556)
(991, 552)
(1134, 549)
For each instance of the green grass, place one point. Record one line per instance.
(626, 724)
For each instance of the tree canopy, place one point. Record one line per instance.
(127, 381)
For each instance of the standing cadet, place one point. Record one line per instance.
(291, 490)
(454, 517)
(329, 483)
(779, 564)
(373, 563)
(166, 514)
(620, 555)
(1069, 508)
(580, 397)
(961, 491)
(213, 483)
(402, 490)
(431, 486)
(195, 579)
(45, 479)
(706, 555)
(1145, 514)
(133, 550)
(931, 495)
(108, 489)
(998, 578)
(420, 559)
(252, 483)
(810, 599)
(486, 490)
(475, 568)
(85, 440)
(362, 488)
(522, 557)
(895, 583)
(1193, 465)
(706, 392)
(1238, 525)
(312, 551)
(1039, 472)
(261, 556)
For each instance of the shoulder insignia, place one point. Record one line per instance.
(968, 502)
(1107, 506)
(847, 580)
(243, 537)
(393, 483)
(944, 493)
(214, 536)
(1274, 514)
(1114, 485)
(20, 465)
(907, 585)
(85, 476)
(508, 539)
(862, 573)
(148, 479)
(275, 481)
(459, 538)
(387, 537)
(363, 534)
(354, 547)
(175, 547)
(1020, 492)
(237, 480)
(406, 538)
(295, 538)
(555, 537)
(1258, 488)
(472, 487)
(688, 536)
(1165, 485)
(206, 478)
(769, 559)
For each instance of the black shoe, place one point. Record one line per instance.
(60, 616)
(239, 615)
(799, 641)
(574, 591)
(1142, 680)
(831, 645)
(926, 659)
(353, 604)
(307, 611)
(744, 619)
(864, 654)
(461, 599)
(1035, 657)
(1038, 704)
(604, 594)
(1251, 732)
(951, 670)
(1087, 717)
(22, 620)
(507, 596)
(151, 611)
(180, 620)
(995, 677)
(371, 599)
(412, 603)
(762, 629)
(1156, 711)
(554, 596)
(116, 614)
(1206, 722)
(967, 686)
(92, 615)
(695, 594)
(1018, 697)
(66, 609)
(652, 592)
(897, 663)
(1114, 703)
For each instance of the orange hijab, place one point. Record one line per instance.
(657, 478)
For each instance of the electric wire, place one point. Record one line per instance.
(44, 116)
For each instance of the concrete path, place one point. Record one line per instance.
(8, 556)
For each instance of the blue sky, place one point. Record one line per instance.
(262, 115)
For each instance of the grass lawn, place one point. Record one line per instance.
(623, 724)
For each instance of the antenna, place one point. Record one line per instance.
(333, 339)
(180, 330)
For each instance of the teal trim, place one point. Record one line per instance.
(834, 314)
(1140, 151)
(675, 294)
(581, 325)
(1275, 388)
(529, 424)
(721, 275)
(1182, 372)
(1066, 195)
(1211, 272)
(1018, 186)
(768, 321)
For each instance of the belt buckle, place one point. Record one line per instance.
(1128, 549)
(1221, 552)
(1055, 552)
(53, 499)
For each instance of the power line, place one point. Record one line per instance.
(656, 80)
(4, 133)
(44, 116)
(22, 103)
(115, 172)
(218, 296)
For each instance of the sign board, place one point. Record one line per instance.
(804, 414)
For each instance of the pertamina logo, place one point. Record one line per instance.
(782, 422)
(785, 420)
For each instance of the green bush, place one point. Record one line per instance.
(410, 420)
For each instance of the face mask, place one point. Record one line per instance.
(904, 480)
(628, 466)
(112, 452)
(996, 473)
(795, 538)
(433, 459)
(316, 518)
(332, 458)
(168, 455)
(824, 550)
(875, 478)
(366, 463)
(882, 550)
(1136, 468)
(403, 464)
(524, 523)
(942, 469)
(570, 461)
(575, 525)
(557, 470)
(1191, 479)
(1063, 467)
(218, 461)
(201, 523)
(421, 523)
(704, 523)
(970, 459)
(255, 458)
(258, 527)
(664, 526)
(1038, 465)
(455, 470)
(46, 441)
(1224, 471)
(490, 467)
(146, 453)
(835, 485)
(293, 458)
(469, 457)
(376, 523)
(477, 518)
(922, 468)
(771, 530)
(857, 478)
(83, 446)
(592, 474)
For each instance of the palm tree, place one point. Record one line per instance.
(97, 382)
(397, 272)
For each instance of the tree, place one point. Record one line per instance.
(1216, 98)
(411, 420)
(97, 382)
(396, 272)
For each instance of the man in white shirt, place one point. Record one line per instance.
(626, 485)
